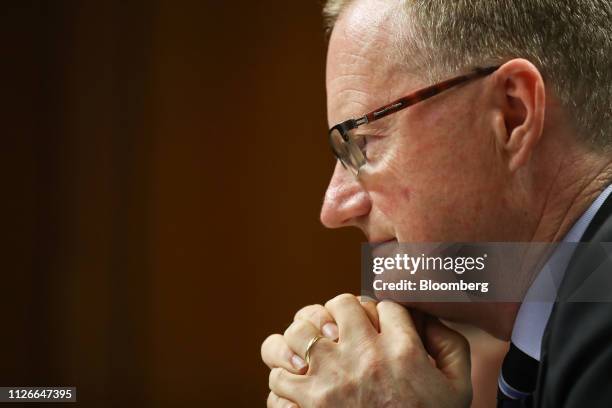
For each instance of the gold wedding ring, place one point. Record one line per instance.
(311, 343)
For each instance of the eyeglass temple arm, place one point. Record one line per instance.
(418, 96)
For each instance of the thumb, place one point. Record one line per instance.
(451, 351)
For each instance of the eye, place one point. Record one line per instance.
(361, 140)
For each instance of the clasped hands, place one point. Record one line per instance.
(371, 355)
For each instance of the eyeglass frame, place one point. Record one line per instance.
(397, 105)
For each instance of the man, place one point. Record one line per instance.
(516, 147)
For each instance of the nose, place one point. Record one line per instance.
(345, 200)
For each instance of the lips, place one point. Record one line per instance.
(385, 248)
(381, 241)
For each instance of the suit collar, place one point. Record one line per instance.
(533, 316)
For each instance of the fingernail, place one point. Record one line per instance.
(330, 330)
(297, 362)
(291, 405)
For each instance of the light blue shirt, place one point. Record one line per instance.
(533, 314)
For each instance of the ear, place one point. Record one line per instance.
(521, 94)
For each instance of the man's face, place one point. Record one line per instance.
(434, 172)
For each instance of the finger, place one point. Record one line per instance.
(369, 305)
(274, 401)
(350, 316)
(299, 334)
(396, 321)
(288, 385)
(450, 350)
(275, 352)
(320, 318)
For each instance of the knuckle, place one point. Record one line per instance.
(276, 376)
(299, 328)
(402, 347)
(268, 344)
(405, 351)
(340, 300)
(364, 299)
(386, 306)
(369, 359)
(271, 401)
(324, 347)
(307, 312)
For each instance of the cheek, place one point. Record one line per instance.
(394, 190)
(405, 193)
(392, 200)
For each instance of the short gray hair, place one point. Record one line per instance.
(570, 41)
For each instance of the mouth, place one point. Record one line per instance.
(384, 247)
(383, 241)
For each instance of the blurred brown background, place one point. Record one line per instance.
(164, 164)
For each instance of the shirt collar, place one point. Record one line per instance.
(533, 315)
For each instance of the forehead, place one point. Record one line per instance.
(359, 64)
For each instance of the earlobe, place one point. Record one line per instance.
(524, 102)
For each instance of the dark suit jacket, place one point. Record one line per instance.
(576, 359)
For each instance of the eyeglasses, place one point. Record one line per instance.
(348, 146)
